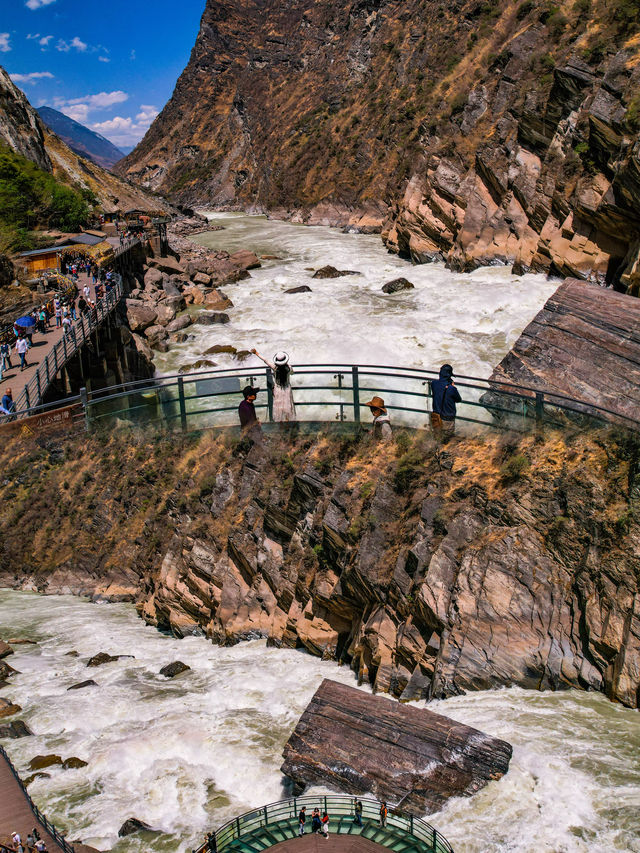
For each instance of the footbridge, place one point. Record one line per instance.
(276, 825)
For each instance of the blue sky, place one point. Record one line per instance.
(111, 66)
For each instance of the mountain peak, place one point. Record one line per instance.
(80, 139)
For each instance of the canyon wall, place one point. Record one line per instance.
(478, 131)
(429, 569)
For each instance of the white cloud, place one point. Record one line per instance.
(44, 41)
(32, 77)
(78, 44)
(79, 108)
(5, 47)
(103, 59)
(38, 4)
(132, 55)
(126, 130)
(33, 36)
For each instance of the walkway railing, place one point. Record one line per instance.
(31, 396)
(53, 832)
(336, 806)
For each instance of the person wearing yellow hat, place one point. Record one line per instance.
(381, 420)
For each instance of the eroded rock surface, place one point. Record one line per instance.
(351, 741)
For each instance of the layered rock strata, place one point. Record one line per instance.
(585, 344)
(351, 741)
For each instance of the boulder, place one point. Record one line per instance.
(176, 302)
(245, 260)
(20, 641)
(5, 649)
(165, 314)
(73, 763)
(202, 278)
(331, 272)
(155, 334)
(103, 657)
(210, 318)
(34, 776)
(82, 684)
(173, 669)
(140, 317)
(302, 288)
(8, 709)
(167, 265)
(142, 347)
(170, 288)
(15, 729)
(344, 733)
(221, 348)
(6, 671)
(179, 337)
(153, 278)
(396, 285)
(42, 761)
(217, 301)
(242, 354)
(197, 365)
(194, 295)
(179, 323)
(132, 825)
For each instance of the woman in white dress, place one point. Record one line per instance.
(284, 410)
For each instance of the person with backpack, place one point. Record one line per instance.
(445, 396)
(383, 814)
(358, 813)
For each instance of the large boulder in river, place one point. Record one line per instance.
(165, 314)
(6, 670)
(216, 300)
(14, 730)
(103, 657)
(245, 260)
(352, 741)
(5, 649)
(42, 761)
(82, 684)
(210, 318)
(167, 265)
(153, 278)
(173, 669)
(140, 316)
(73, 763)
(302, 288)
(397, 285)
(179, 323)
(331, 272)
(8, 709)
(132, 825)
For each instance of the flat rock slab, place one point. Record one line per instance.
(351, 741)
(585, 344)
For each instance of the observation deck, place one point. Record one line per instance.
(275, 827)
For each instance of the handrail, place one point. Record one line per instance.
(51, 829)
(30, 398)
(337, 806)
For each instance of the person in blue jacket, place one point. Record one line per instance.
(445, 397)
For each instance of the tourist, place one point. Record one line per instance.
(82, 305)
(41, 847)
(211, 842)
(325, 825)
(247, 410)
(445, 396)
(383, 814)
(35, 833)
(5, 354)
(316, 823)
(22, 345)
(381, 420)
(42, 320)
(301, 820)
(284, 410)
(58, 310)
(30, 840)
(17, 842)
(358, 812)
(86, 292)
(72, 308)
(66, 324)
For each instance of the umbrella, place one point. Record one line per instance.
(25, 322)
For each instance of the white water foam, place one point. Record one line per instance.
(185, 755)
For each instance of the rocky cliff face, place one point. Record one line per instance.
(20, 127)
(429, 570)
(485, 132)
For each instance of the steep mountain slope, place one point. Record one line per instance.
(80, 139)
(23, 131)
(488, 131)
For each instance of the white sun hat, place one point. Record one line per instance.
(281, 357)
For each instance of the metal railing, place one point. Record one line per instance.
(51, 829)
(331, 392)
(30, 398)
(285, 812)
(125, 246)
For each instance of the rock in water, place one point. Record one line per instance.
(5, 649)
(81, 684)
(173, 669)
(358, 743)
(73, 763)
(15, 730)
(39, 762)
(332, 272)
(100, 658)
(132, 825)
(396, 285)
(209, 318)
(302, 288)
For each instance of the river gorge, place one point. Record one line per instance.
(187, 754)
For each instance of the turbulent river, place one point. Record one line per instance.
(184, 755)
(470, 320)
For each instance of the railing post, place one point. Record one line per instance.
(38, 384)
(356, 393)
(539, 407)
(46, 367)
(64, 344)
(238, 827)
(183, 408)
(26, 396)
(266, 816)
(411, 824)
(270, 393)
(84, 399)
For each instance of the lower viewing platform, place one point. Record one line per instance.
(276, 827)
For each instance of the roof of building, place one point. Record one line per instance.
(50, 251)
(86, 239)
(96, 233)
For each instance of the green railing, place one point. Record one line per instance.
(331, 392)
(337, 392)
(285, 812)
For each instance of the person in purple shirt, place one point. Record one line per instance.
(246, 409)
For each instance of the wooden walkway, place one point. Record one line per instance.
(16, 379)
(16, 814)
(313, 843)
